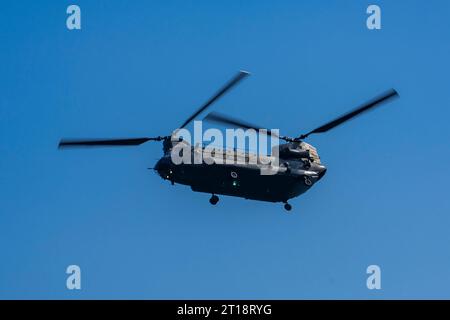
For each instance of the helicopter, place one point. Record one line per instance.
(298, 163)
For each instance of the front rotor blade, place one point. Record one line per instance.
(367, 106)
(105, 142)
(241, 75)
(221, 118)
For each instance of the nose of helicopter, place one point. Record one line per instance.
(321, 170)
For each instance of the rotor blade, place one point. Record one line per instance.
(367, 106)
(241, 75)
(221, 118)
(105, 142)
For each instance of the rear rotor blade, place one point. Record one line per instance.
(221, 118)
(65, 143)
(367, 106)
(237, 78)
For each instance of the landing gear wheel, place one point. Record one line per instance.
(214, 199)
(308, 181)
(287, 207)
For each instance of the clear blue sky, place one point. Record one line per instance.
(141, 68)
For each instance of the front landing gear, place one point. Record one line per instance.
(287, 207)
(214, 199)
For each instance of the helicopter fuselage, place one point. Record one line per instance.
(293, 175)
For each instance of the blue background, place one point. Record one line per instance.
(140, 68)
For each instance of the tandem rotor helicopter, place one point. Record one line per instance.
(299, 163)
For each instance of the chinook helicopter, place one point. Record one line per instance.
(299, 166)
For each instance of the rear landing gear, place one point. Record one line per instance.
(214, 199)
(287, 207)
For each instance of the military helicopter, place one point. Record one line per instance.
(299, 165)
